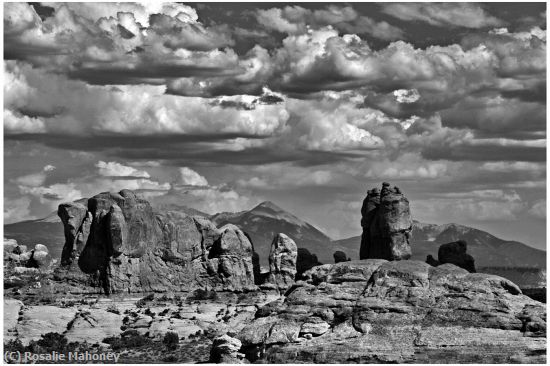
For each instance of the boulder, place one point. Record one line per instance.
(72, 216)
(387, 225)
(455, 253)
(305, 260)
(225, 349)
(340, 256)
(40, 257)
(282, 262)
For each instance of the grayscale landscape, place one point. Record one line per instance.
(274, 183)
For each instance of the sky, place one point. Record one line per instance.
(222, 106)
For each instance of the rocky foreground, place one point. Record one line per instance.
(407, 311)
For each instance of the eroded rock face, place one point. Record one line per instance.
(387, 225)
(282, 262)
(455, 253)
(398, 311)
(132, 249)
(73, 215)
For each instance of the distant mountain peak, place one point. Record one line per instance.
(269, 205)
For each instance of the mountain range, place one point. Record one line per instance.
(267, 219)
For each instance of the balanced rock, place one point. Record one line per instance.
(225, 349)
(340, 256)
(455, 253)
(282, 261)
(387, 225)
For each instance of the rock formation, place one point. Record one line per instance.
(225, 349)
(38, 257)
(340, 256)
(387, 224)
(455, 253)
(282, 262)
(401, 312)
(130, 248)
(76, 224)
(305, 261)
(432, 261)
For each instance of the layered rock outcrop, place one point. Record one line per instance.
(387, 225)
(282, 262)
(400, 311)
(455, 253)
(132, 249)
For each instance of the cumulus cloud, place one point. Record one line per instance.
(468, 15)
(190, 177)
(114, 169)
(35, 179)
(298, 20)
(406, 96)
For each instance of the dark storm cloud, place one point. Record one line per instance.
(486, 152)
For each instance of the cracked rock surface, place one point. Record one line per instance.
(403, 311)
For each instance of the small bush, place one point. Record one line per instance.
(171, 340)
(202, 294)
(128, 339)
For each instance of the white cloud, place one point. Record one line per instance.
(298, 20)
(538, 209)
(188, 176)
(114, 169)
(35, 179)
(469, 15)
(406, 96)
(17, 209)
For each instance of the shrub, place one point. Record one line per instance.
(53, 342)
(202, 294)
(128, 339)
(171, 340)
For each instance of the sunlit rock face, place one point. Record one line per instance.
(282, 262)
(387, 225)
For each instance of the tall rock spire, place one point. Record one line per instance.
(387, 224)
